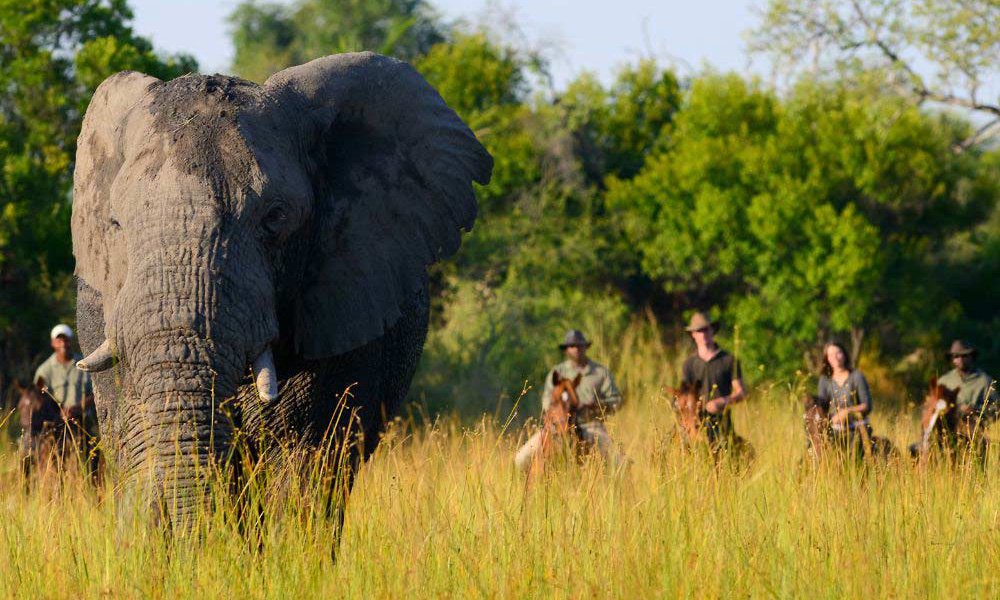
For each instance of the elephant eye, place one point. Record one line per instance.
(115, 225)
(274, 221)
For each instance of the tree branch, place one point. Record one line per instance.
(984, 132)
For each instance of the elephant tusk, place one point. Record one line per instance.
(266, 376)
(101, 359)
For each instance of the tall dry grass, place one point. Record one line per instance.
(440, 511)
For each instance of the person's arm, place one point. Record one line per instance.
(737, 395)
(988, 407)
(609, 397)
(41, 377)
(823, 389)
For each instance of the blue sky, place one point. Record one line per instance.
(594, 35)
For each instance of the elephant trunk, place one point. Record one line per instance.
(182, 365)
(178, 431)
(195, 310)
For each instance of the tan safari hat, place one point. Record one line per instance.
(700, 320)
(961, 348)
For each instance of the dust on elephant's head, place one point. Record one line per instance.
(214, 216)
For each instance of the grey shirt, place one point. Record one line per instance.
(855, 391)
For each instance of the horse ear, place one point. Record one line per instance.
(17, 386)
(933, 382)
(577, 380)
(555, 378)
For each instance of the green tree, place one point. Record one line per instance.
(806, 218)
(53, 55)
(268, 37)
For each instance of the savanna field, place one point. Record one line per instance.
(440, 511)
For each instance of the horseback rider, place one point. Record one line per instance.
(844, 390)
(598, 396)
(978, 399)
(719, 377)
(59, 377)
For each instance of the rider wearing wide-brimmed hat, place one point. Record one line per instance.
(719, 378)
(597, 393)
(978, 397)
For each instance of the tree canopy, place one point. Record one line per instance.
(53, 55)
(843, 205)
(269, 36)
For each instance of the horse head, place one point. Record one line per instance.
(688, 406)
(564, 391)
(939, 407)
(35, 408)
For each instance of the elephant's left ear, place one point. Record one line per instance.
(392, 170)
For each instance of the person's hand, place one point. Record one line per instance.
(72, 413)
(714, 407)
(839, 417)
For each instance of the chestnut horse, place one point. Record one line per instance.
(558, 422)
(941, 424)
(688, 408)
(819, 435)
(817, 422)
(44, 428)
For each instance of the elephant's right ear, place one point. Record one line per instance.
(392, 170)
(99, 157)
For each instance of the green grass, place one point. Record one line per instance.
(440, 511)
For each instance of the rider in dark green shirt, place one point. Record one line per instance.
(719, 378)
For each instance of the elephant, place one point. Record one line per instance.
(245, 253)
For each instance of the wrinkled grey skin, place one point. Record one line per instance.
(214, 218)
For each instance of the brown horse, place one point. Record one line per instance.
(819, 435)
(817, 422)
(43, 441)
(688, 408)
(558, 423)
(942, 425)
(698, 427)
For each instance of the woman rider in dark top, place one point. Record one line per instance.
(846, 390)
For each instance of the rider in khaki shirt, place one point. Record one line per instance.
(598, 396)
(68, 385)
(978, 396)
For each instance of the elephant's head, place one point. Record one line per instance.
(210, 212)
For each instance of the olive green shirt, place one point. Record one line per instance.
(976, 390)
(67, 384)
(597, 391)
